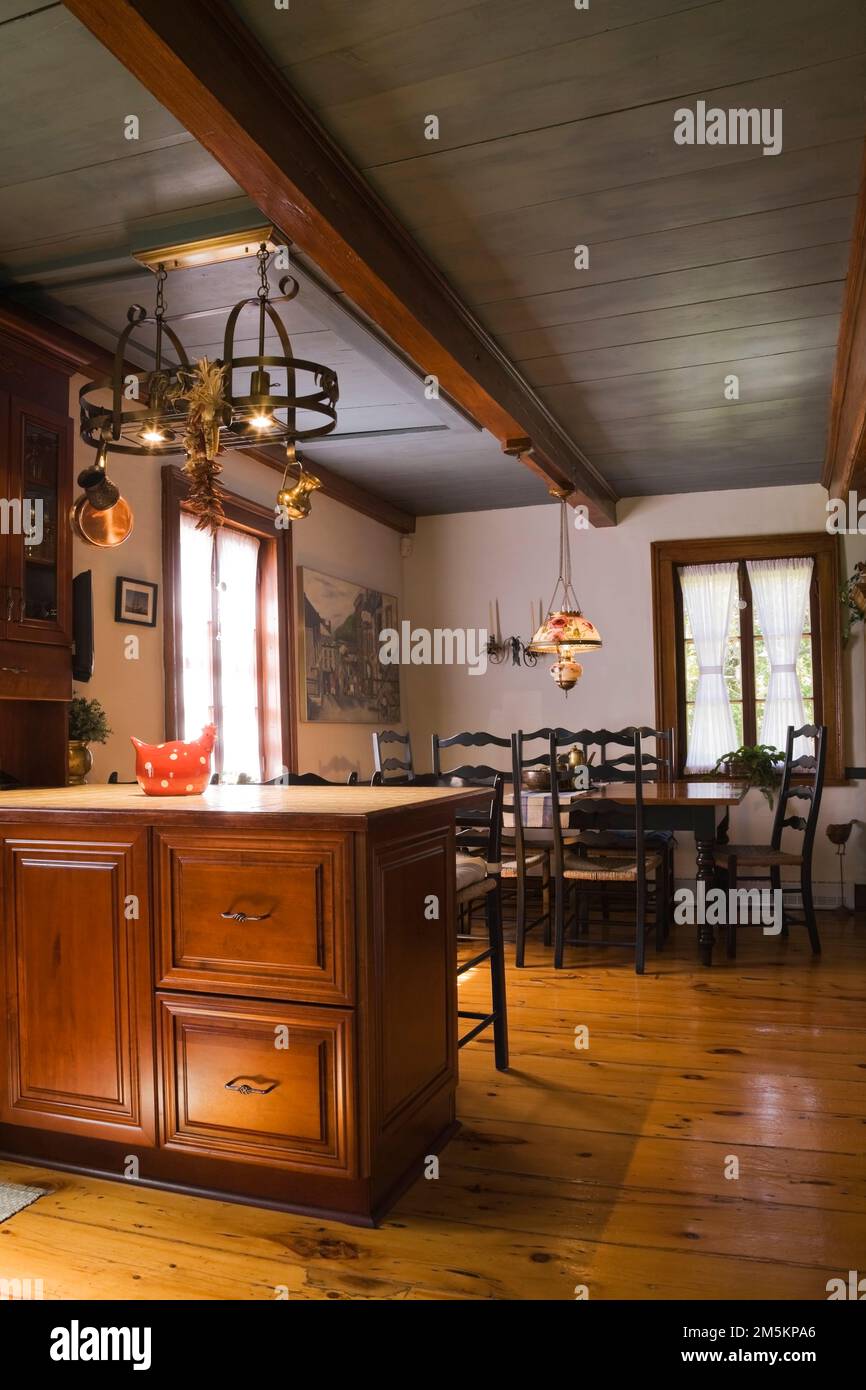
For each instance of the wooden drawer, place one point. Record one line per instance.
(229, 1089)
(299, 888)
(32, 672)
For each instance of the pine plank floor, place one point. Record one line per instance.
(602, 1167)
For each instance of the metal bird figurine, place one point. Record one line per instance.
(838, 835)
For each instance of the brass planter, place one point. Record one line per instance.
(80, 762)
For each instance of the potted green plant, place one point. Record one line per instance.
(756, 764)
(88, 723)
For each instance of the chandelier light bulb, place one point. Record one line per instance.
(152, 434)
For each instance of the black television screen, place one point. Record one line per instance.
(82, 626)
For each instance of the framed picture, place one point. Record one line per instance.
(135, 601)
(342, 679)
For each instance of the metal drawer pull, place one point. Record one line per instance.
(14, 670)
(246, 916)
(246, 1090)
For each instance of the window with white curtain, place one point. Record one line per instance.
(219, 637)
(748, 654)
(765, 609)
(709, 595)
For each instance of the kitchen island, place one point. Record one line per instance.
(249, 994)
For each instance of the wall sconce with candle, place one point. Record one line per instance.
(499, 648)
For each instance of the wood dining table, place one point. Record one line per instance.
(703, 808)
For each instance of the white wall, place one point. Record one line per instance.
(461, 563)
(333, 538)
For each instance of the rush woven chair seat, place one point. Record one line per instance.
(606, 869)
(803, 780)
(760, 854)
(511, 867)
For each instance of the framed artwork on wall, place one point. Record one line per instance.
(341, 677)
(135, 601)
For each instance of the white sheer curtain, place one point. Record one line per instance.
(237, 607)
(780, 590)
(196, 606)
(709, 593)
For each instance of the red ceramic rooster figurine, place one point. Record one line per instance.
(174, 769)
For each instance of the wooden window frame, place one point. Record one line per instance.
(668, 556)
(277, 629)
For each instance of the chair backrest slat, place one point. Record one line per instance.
(810, 765)
(467, 739)
(310, 779)
(394, 770)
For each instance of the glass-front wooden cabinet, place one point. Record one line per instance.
(35, 596)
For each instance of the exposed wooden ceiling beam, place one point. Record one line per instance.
(343, 490)
(205, 67)
(845, 462)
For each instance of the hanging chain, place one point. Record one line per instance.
(160, 291)
(263, 258)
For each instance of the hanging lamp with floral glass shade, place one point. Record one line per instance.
(565, 631)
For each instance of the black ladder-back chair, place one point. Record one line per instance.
(772, 856)
(479, 879)
(397, 770)
(618, 767)
(655, 767)
(514, 868)
(528, 842)
(583, 865)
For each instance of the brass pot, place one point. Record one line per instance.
(79, 763)
(537, 779)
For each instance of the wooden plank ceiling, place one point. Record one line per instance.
(555, 128)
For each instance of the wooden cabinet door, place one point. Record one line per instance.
(79, 1036)
(37, 598)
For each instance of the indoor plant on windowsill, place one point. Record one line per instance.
(756, 765)
(88, 723)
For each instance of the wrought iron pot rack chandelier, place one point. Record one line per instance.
(233, 402)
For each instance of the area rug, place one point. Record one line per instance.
(14, 1196)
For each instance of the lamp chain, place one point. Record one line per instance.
(569, 597)
(160, 291)
(263, 258)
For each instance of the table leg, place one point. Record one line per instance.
(706, 872)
